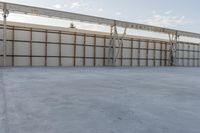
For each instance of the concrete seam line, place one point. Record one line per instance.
(5, 105)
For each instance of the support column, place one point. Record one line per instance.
(114, 47)
(111, 60)
(104, 51)
(131, 52)
(173, 40)
(198, 58)
(114, 41)
(5, 15)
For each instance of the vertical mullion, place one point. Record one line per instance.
(94, 61)
(198, 55)
(60, 49)
(46, 39)
(139, 53)
(13, 46)
(183, 55)
(74, 49)
(161, 47)
(177, 55)
(104, 51)
(166, 54)
(84, 43)
(188, 55)
(31, 53)
(147, 52)
(194, 60)
(122, 54)
(131, 52)
(154, 54)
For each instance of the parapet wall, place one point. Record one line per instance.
(37, 45)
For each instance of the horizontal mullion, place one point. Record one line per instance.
(188, 58)
(78, 57)
(58, 43)
(188, 50)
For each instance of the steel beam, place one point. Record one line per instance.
(24, 9)
(115, 42)
(114, 46)
(173, 40)
(5, 15)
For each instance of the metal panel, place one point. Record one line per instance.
(79, 62)
(38, 49)
(53, 37)
(53, 48)
(22, 61)
(22, 48)
(38, 36)
(38, 61)
(67, 61)
(52, 61)
(22, 35)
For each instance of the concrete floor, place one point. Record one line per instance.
(99, 100)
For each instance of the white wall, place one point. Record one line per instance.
(48, 45)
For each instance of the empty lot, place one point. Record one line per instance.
(99, 100)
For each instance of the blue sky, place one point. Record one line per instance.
(179, 14)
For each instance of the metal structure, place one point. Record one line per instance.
(5, 15)
(173, 40)
(115, 41)
(114, 38)
(39, 45)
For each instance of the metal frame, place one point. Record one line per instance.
(154, 54)
(147, 54)
(14, 41)
(161, 54)
(104, 50)
(44, 12)
(173, 41)
(13, 46)
(74, 56)
(84, 50)
(31, 47)
(112, 46)
(131, 52)
(138, 59)
(104, 38)
(94, 52)
(114, 39)
(46, 47)
(60, 48)
(5, 15)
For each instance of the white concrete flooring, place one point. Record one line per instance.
(99, 100)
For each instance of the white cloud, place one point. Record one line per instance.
(81, 5)
(166, 20)
(58, 6)
(100, 10)
(154, 12)
(118, 13)
(66, 5)
(168, 12)
(75, 5)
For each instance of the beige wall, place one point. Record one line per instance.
(35, 45)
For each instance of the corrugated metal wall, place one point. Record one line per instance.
(46, 47)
